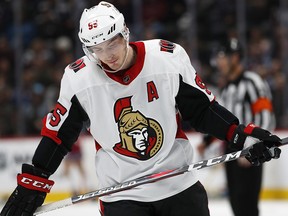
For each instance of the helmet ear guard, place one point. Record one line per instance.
(125, 33)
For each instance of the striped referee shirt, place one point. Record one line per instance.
(250, 99)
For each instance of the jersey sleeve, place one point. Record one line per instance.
(197, 104)
(61, 128)
(67, 117)
(190, 76)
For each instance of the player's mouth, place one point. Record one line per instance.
(112, 62)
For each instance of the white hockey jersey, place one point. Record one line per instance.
(133, 118)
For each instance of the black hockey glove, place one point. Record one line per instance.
(33, 185)
(260, 152)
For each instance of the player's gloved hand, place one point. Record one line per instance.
(33, 185)
(260, 152)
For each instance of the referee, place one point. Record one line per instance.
(248, 97)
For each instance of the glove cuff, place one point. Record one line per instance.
(34, 178)
(34, 182)
(249, 129)
(236, 141)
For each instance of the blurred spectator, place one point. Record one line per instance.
(7, 61)
(7, 109)
(276, 80)
(259, 51)
(72, 162)
(49, 34)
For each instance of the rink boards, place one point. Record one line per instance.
(15, 151)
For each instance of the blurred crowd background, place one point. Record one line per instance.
(38, 39)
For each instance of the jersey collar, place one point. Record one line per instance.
(126, 76)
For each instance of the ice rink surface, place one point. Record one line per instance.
(218, 207)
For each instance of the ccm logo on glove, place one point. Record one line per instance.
(34, 183)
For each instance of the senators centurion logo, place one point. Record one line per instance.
(140, 137)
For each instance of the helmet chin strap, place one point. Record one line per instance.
(124, 61)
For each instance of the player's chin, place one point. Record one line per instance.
(114, 67)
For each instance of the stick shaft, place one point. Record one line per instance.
(146, 179)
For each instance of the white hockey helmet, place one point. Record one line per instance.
(101, 23)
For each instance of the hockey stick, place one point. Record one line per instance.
(148, 179)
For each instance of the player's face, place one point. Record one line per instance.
(111, 52)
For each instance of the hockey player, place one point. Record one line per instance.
(132, 96)
(247, 96)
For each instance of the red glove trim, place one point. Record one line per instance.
(249, 128)
(34, 182)
(230, 132)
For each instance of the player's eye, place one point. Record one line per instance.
(112, 46)
(97, 50)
